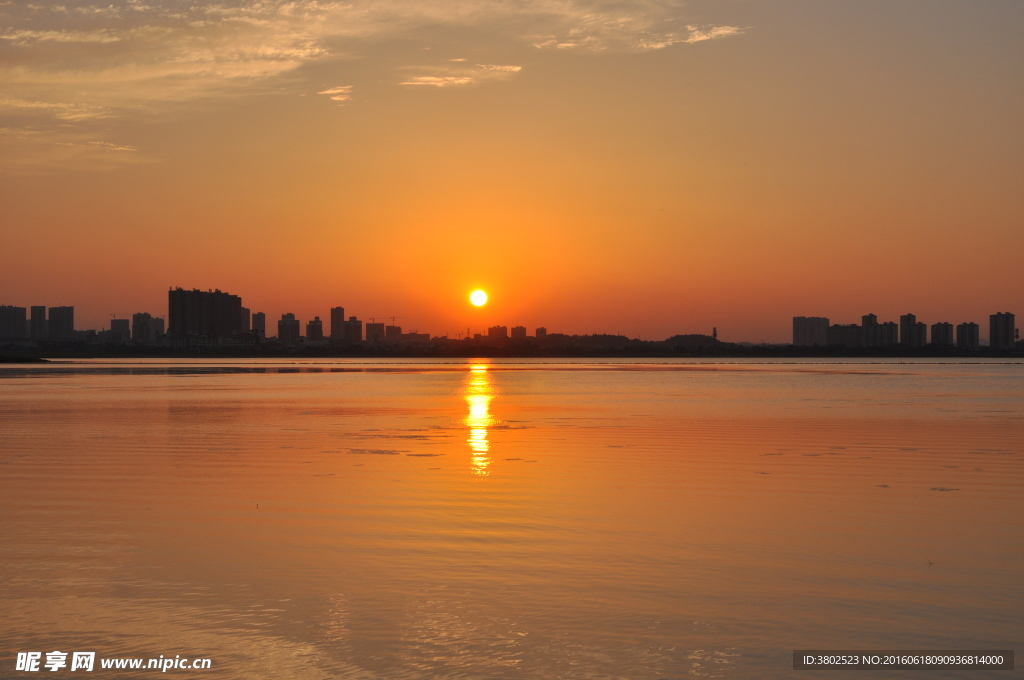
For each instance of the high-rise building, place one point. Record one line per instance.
(542, 332)
(246, 320)
(375, 332)
(212, 314)
(13, 322)
(968, 335)
(259, 324)
(145, 327)
(942, 333)
(288, 329)
(889, 332)
(497, 332)
(913, 333)
(37, 324)
(879, 334)
(353, 330)
(120, 331)
(337, 324)
(518, 332)
(810, 331)
(1001, 327)
(845, 335)
(315, 329)
(392, 333)
(61, 325)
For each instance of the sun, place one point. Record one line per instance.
(478, 298)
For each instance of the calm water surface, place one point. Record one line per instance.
(509, 519)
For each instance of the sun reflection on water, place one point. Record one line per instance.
(479, 392)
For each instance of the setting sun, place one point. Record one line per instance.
(478, 298)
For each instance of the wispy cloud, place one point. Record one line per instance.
(342, 93)
(90, 64)
(463, 75)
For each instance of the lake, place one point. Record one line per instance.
(509, 518)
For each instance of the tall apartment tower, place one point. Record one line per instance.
(542, 332)
(968, 335)
(337, 324)
(37, 323)
(61, 325)
(203, 313)
(246, 320)
(144, 327)
(810, 331)
(518, 332)
(353, 330)
(942, 333)
(13, 323)
(288, 329)
(315, 329)
(259, 324)
(1001, 330)
(913, 333)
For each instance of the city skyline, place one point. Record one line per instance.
(219, 314)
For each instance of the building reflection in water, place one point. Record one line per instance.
(479, 392)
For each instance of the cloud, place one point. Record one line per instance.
(439, 81)
(342, 93)
(91, 64)
(451, 76)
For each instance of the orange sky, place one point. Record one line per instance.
(638, 168)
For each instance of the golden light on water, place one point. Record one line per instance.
(478, 393)
(478, 298)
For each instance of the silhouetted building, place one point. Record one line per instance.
(497, 332)
(942, 334)
(259, 324)
(353, 330)
(968, 335)
(392, 333)
(61, 324)
(810, 331)
(845, 335)
(212, 314)
(288, 330)
(37, 323)
(913, 333)
(246, 320)
(337, 324)
(13, 322)
(375, 332)
(542, 332)
(1001, 328)
(879, 334)
(146, 328)
(519, 332)
(120, 332)
(416, 337)
(315, 329)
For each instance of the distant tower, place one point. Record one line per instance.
(315, 329)
(288, 329)
(259, 324)
(1001, 330)
(61, 325)
(714, 332)
(337, 324)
